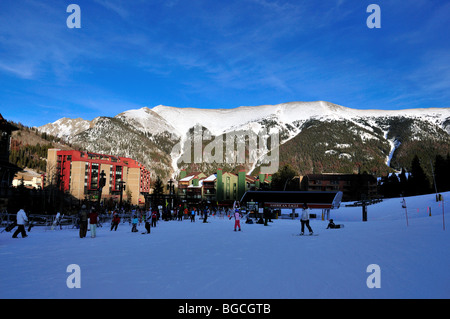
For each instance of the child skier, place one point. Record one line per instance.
(237, 220)
(134, 222)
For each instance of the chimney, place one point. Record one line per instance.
(219, 185)
(241, 184)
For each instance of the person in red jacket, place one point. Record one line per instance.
(237, 220)
(154, 218)
(93, 220)
(115, 221)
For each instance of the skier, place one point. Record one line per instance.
(115, 221)
(134, 223)
(180, 214)
(304, 219)
(148, 216)
(193, 215)
(266, 216)
(93, 220)
(154, 218)
(21, 219)
(205, 215)
(56, 222)
(237, 219)
(83, 221)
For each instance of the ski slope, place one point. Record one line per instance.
(184, 260)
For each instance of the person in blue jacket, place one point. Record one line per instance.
(134, 223)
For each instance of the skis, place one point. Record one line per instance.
(302, 235)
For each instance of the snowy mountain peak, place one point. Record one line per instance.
(67, 127)
(146, 120)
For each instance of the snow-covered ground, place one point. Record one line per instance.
(184, 260)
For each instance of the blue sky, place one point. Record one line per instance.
(219, 54)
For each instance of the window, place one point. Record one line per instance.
(118, 170)
(94, 175)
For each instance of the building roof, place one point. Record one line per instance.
(339, 177)
(294, 199)
(101, 158)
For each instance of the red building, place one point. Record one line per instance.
(79, 174)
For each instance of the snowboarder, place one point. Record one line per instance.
(21, 219)
(237, 220)
(93, 220)
(115, 221)
(304, 219)
(332, 225)
(83, 221)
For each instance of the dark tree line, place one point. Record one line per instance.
(417, 181)
(31, 156)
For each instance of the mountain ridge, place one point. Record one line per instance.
(380, 133)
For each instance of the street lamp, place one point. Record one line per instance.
(121, 189)
(101, 184)
(171, 189)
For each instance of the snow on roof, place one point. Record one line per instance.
(210, 178)
(187, 178)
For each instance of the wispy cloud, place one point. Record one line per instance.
(117, 7)
(24, 71)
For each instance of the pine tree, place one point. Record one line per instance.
(158, 190)
(403, 182)
(283, 178)
(442, 173)
(419, 182)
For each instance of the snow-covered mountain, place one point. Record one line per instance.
(219, 121)
(66, 128)
(371, 138)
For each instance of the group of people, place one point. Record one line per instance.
(91, 217)
(84, 215)
(304, 219)
(150, 218)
